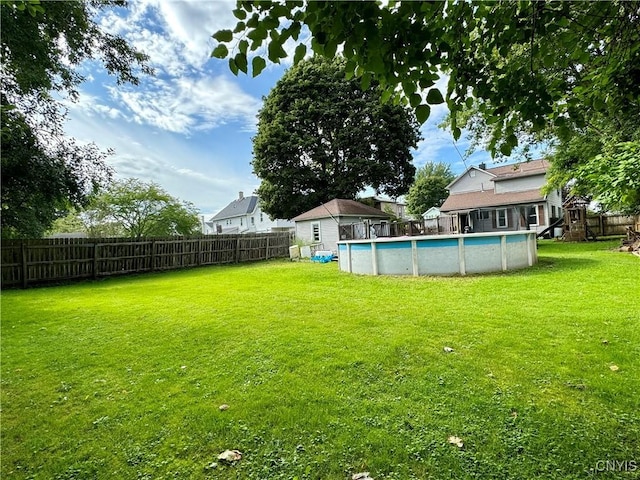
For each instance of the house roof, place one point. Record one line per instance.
(376, 198)
(512, 170)
(524, 169)
(487, 198)
(433, 212)
(240, 206)
(341, 208)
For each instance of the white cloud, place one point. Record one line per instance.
(186, 104)
(175, 34)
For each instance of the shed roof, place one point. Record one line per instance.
(341, 208)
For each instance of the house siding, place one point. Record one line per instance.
(468, 183)
(477, 200)
(519, 184)
(243, 224)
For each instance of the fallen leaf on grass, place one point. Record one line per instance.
(223, 407)
(457, 441)
(614, 368)
(230, 456)
(448, 349)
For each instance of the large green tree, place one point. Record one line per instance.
(40, 181)
(44, 173)
(600, 160)
(429, 188)
(321, 136)
(531, 63)
(133, 208)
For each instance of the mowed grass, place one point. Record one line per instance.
(328, 374)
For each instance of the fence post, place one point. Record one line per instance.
(95, 260)
(237, 253)
(153, 255)
(23, 256)
(602, 225)
(199, 257)
(266, 254)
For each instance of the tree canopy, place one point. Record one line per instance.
(44, 173)
(321, 136)
(429, 188)
(600, 161)
(39, 182)
(133, 208)
(527, 63)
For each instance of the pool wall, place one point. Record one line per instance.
(439, 254)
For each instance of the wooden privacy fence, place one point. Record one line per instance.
(30, 262)
(604, 225)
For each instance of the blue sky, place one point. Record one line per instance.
(189, 127)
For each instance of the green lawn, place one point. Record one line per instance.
(328, 374)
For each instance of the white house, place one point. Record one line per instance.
(507, 197)
(387, 205)
(431, 214)
(244, 215)
(336, 220)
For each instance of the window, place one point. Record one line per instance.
(553, 211)
(541, 215)
(261, 217)
(253, 222)
(502, 218)
(532, 215)
(315, 232)
(483, 215)
(241, 221)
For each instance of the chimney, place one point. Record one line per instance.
(482, 166)
(240, 196)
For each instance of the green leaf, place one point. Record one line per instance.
(223, 35)
(239, 13)
(258, 64)
(414, 100)
(233, 67)
(241, 62)
(258, 34)
(330, 49)
(221, 51)
(275, 51)
(434, 97)
(505, 149)
(422, 113)
(301, 51)
(386, 95)
(365, 81)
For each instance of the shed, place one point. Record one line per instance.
(338, 219)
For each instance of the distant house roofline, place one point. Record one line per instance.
(237, 208)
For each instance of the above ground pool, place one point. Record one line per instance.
(439, 254)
